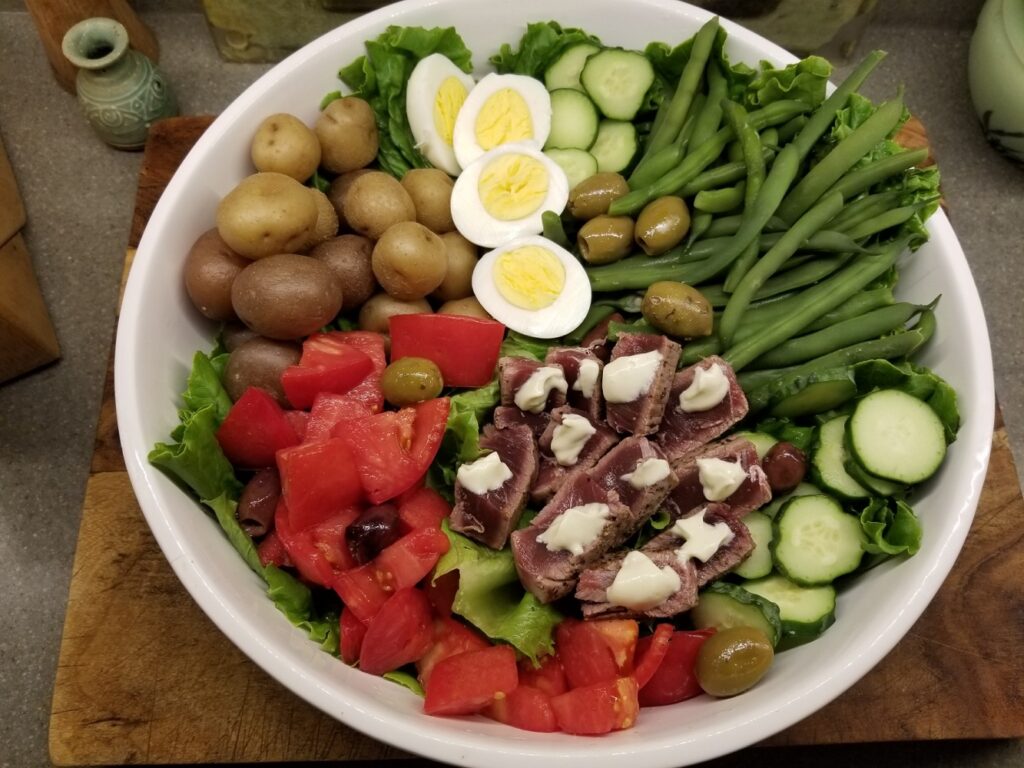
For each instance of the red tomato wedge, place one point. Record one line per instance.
(423, 508)
(352, 633)
(319, 348)
(254, 430)
(585, 655)
(361, 591)
(525, 708)
(468, 682)
(347, 368)
(650, 652)
(318, 480)
(272, 552)
(318, 551)
(392, 450)
(466, 349)
(450, 637)
(674, 679)
(399, 634)
(597, 709)
(621, 636)
(299, 421)
(549, 677)
(328, 411)
(441, 592)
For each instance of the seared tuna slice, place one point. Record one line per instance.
(635, 392)
(514, 372)
(509, 416)
(584, 390)
(592, 589)
(552, 473)
(551, 552)
(752, 493)
(729, 554)
(684, 432)
(637, 471)
(490, 517)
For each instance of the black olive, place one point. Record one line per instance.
(375, 529)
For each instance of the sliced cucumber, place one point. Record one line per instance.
(573, 120)
(815, 541)
(577, 164)
(759, 562)
(806, 612)
(615, 145)
(564, 72)
(878, 486)
(724, 605)
(828, 462)
(804, 489)
(762, 441)
(897, 437)
(617, 80)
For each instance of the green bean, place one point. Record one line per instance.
(826, 240)
(699, 224)
(720, 176)
(750, 145)
(868, 326)
(807, 273)
(769, 264)
(770, 138)
(720, 200)
(710, 117)
(662, 114)
(689, 81)
(653, 167)
(860, 179)
(595, 315)
(865, 208)
(553, 229)
(863, 302)
(639, 271)
(791, 128)
(884, 221)
(816, 301)
(723, 226)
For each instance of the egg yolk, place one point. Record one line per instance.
(502, 118)
(512, 186)
(530, 277)
(447, 102)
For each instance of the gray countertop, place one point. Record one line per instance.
(79, 197)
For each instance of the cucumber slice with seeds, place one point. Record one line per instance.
(617, 80)
(724, 605)
(573, 120)
(762, 441)
(564, 72)
(828, 462)
(806, 612)
(759, 562)
(897, 437)
(615, 145)
(577, 164)
(815, 541)
(804, 489)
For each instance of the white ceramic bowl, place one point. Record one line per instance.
(159, 331)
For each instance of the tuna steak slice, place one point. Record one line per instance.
(622, 460)
(643, 416)
(753, 492)
(592, 589)
(506, 416)
(728, 556)
(682, 434)
(552, 474)
(570, 359)
(513, 372)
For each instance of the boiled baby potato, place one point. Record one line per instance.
(326, 225)
(376, 312)
(468, 307)
(431, 193)
(210, 269)
(339, 188)
(409, 261)
(350, 258)
(235, 334)
(462, 257)
(347, 130)
(284, 144)
(259, 362)
(267, 213)
(286, 296)
(374, 202)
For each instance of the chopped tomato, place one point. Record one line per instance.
(392, 450)
(675, 680)
(318, 480)
(254, 430)
(450, 637)
(299, 421)
(621, 636)
(318, 551)
(441, 592)
(320, 347)
(361, 591)
(585, 655)
(352, 633)
(272, 551)
(466, 349)
(525, 708)
(346, 368)
(469, 681)
(599, 708)
(408, 560)
(423, 508)
(549, 677)
(650, 652)
(329, 410)
(399, 634)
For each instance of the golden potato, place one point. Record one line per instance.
(326, 225)
(284, 144)
(431, 193)
(347, 130)
(409, 261)
(462, 257)
(267, 213)
(468, 306)
(375, 313)
(374, 202)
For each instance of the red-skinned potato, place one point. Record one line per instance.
(210, 269)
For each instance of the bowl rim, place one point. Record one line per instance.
(476, 748)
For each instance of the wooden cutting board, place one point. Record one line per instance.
(145, 677)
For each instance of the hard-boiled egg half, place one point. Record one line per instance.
(501, 109)
(503, 194)
(533, 286)
(434, 97)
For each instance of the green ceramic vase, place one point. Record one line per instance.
(996, 74)
(121, 91)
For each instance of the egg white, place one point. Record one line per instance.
(564, 314)
(478, 226)
(421, 93)
(538, 102)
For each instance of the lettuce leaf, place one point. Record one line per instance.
(519, 345)
(461, 441)
(916, 380)
(540, 45)
(891, 527)
(491, 598)
(204, 387)
(668, 63)
(406, 680)
(804, 81)
(380, 77)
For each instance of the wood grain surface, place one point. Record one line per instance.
(145, 677)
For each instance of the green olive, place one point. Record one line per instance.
(677, 309)
(662, 224)
(733, 660)
(605, 239)
(592, 196)
(411, 380)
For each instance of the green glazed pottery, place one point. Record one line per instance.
(996, 74)
(121, 91)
